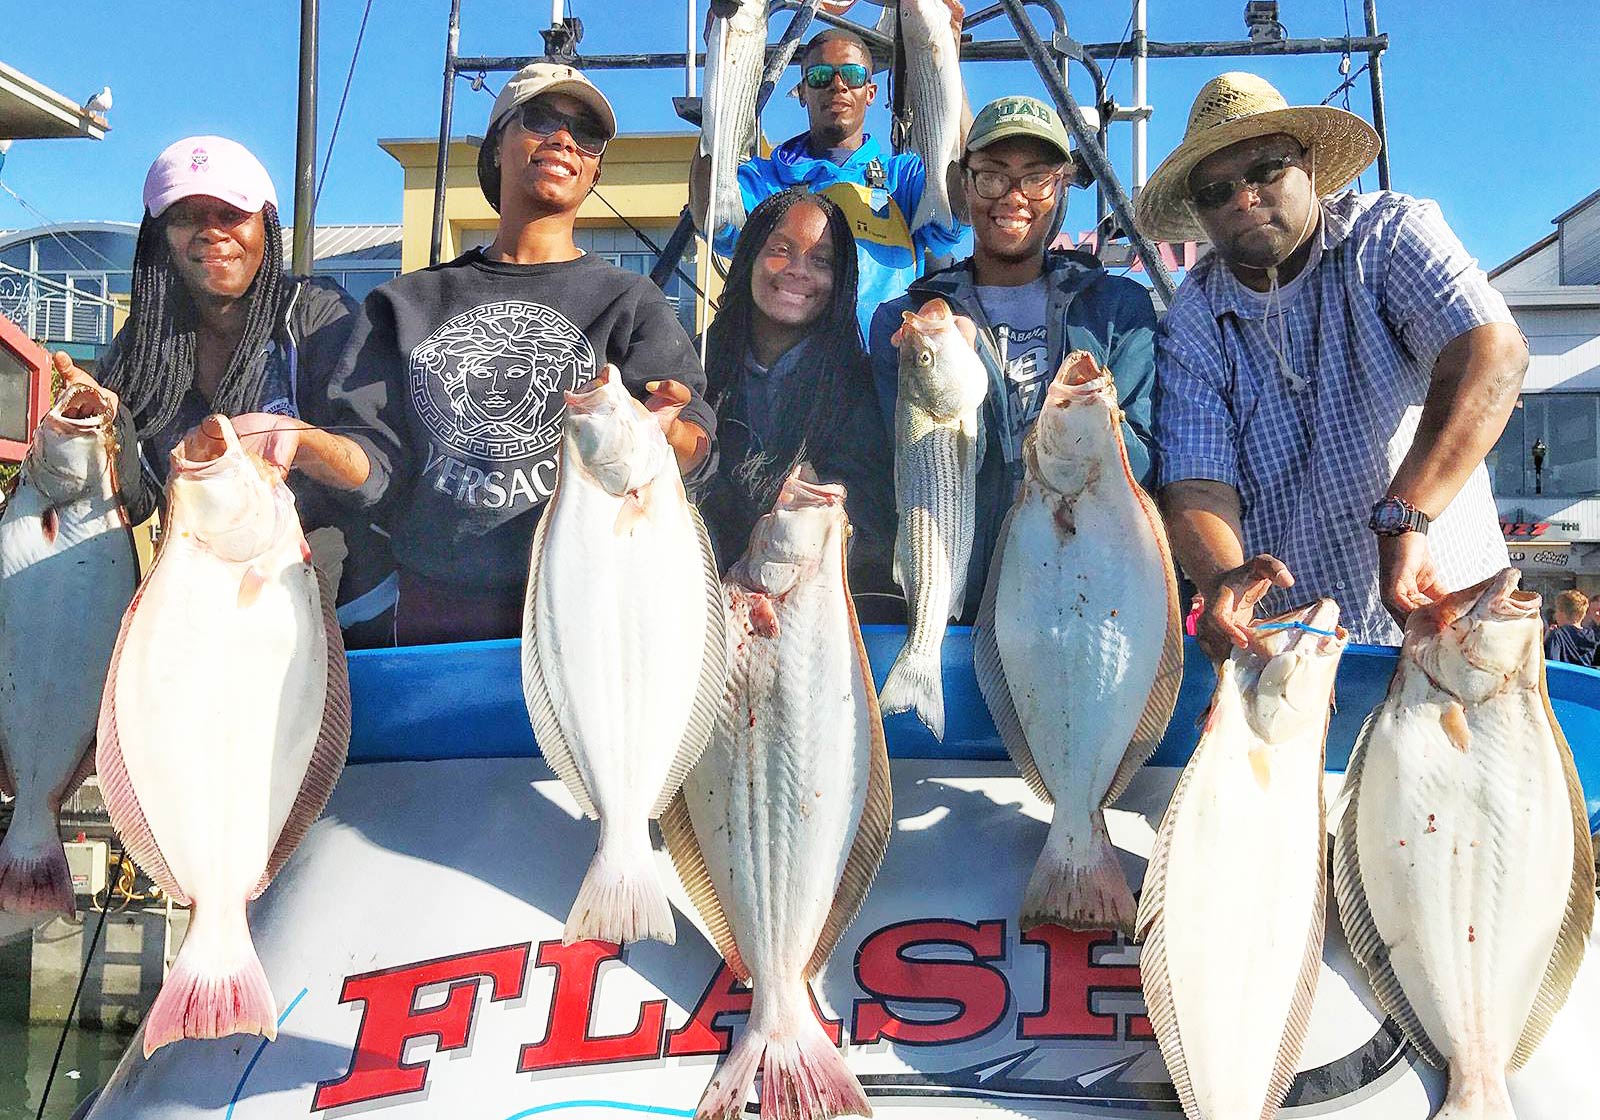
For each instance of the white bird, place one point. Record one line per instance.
(100, 102)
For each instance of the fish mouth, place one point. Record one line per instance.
(1080, 380)
(81, 409)
(802, 492)
(208, 462)
(1316, 622)
(1502, 598)
(593, 396)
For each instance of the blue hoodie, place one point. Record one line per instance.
(889, 255)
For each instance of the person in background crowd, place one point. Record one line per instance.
(1567, 640)
(1031, 305)
(451, 393)
(216, 325)
(878, 190)
(1328, 379)
(1591, 620)
(786, 372)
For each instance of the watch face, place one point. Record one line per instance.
(1389, 517)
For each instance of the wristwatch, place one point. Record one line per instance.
(1393, 516)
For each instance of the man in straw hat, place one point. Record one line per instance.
(1328, 379)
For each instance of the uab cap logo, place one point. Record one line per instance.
(1023, 107)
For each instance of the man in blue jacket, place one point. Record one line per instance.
(879, 190)
(1031, 305)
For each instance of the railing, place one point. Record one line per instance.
(74, 309)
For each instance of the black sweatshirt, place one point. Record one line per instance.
(453, 385)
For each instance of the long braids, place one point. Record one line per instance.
(833, 351)
(157, 368)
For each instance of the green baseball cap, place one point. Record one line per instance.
(1018, 116)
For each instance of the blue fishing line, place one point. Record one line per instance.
(239, 1089)
(619, 1106)
(1295, 626)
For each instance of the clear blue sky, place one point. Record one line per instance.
(1494, 108)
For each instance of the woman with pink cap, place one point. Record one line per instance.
(216, 325)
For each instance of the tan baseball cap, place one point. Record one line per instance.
(531, 81)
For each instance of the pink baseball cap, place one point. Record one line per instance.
(210, 165)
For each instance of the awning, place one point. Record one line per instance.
(30, 111)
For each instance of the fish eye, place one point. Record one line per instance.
(924, 358)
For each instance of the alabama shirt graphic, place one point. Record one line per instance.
(488, 383)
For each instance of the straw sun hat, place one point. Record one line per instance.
(1239, 106)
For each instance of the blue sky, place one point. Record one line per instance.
(1494, 109)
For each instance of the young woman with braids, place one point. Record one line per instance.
(787, 374)
(216, 326)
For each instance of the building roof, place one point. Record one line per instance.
(1565, 214)
(1544, 242)
(32, 111)
(378, 242)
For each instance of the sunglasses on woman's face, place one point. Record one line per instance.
(1262, 173)
(543, 121)
(821, 75)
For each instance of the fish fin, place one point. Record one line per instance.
(35, 882)
(991, 674)
(1573, 938)
(250, 586)
(804, 1078)
(915, 684)
(1488, 1099)
(50, 524)
(1169, 670)
(8, 784)
(1355, 914)
(547, 733)
(877, 816)
(205, 998)
(122, 800)
(1454, 722)
(1080, 894)
(82, 773)
(1305, 990)
(621, 899)
(333, 744)
(712, 687)
(677, 829)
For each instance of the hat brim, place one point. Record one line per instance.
(582, 91)
(1007, 131)
(1343, 143)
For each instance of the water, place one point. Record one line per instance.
(25, 1053)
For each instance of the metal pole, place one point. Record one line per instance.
(1375, 71)
(447, 105)
(305, 145)
(1141, 26)
(1089, 147)
(690, 47)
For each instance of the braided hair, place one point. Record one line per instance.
(832, 353)
(154, 371)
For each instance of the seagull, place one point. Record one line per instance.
(100, 102)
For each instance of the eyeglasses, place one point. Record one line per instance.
(1263, 173)
(543, 121)
(821, 75)
(1035, 187)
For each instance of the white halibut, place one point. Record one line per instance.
(224, 726)
(1240, 859)
(622, 647)
(1463, 867)
(1078, 646)
(67, 572)
(783, 823)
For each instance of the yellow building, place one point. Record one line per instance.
(645, 179)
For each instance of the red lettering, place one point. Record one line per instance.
(567, 1040)
(704, 1033)
(1073, 983)
(977, 990)
(391, 1019)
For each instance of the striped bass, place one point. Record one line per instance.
(1462, 865)
(736, 61)
(622, 651)
(224, 726)
(938, 442)
(782, 825)
(1240, 860)
(1078, 646)
(67, 572)
(934, 101)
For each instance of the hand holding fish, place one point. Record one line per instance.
(689, 441)
(69, 372)
(1230, 605)
(958, 13)
(1407, 578)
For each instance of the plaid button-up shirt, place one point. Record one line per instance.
(1312, 449)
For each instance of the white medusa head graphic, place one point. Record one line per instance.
(488, 382)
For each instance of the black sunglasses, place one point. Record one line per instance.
(1262, 173)
(821, 75)
(541, 120)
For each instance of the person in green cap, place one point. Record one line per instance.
(1032, 306)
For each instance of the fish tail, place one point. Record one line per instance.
(216, 988)
(1476, 1098)
(914, 684)
(35, 880)
(1079, 889)
(621, 898)
(803, 1078)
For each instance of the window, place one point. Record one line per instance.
(15, 379)
(1568, 424)
(359, 281)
